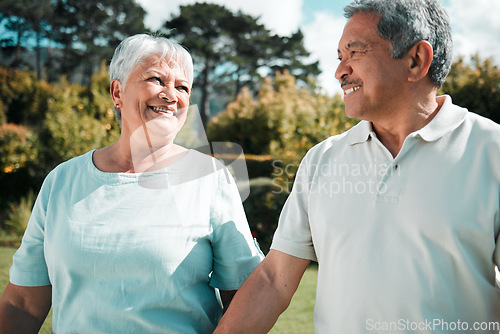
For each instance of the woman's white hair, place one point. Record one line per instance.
(132, 50)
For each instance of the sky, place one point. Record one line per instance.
(475, 25)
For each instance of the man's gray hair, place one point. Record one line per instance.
(406, 22)
(132, 50)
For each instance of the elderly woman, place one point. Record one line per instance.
(139, 236)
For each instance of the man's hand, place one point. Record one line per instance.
(265, 295)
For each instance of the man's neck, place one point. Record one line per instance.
(393, 131)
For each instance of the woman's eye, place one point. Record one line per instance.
(184, 88)
(155, 79)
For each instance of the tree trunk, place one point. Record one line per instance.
(238, 82)
(38, 56)
(205, 98)
(17, 58)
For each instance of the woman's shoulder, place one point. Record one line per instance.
(72, 165)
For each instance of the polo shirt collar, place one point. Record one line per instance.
(361, 132)
(448, 118)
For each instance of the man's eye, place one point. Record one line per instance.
(357, 52)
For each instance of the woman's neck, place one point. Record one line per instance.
(137, 154)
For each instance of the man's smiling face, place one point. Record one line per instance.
(368, 74)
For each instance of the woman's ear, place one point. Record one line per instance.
(419, 60)
(116, 89)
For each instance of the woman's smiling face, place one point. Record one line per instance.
(156, 95)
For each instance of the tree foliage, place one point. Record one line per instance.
(18, 146)
(79, 119)
(97, 26)
(23, 98)
(233, 49)
(84, 32)
(476, 86)
(284, 121)
(43, 124)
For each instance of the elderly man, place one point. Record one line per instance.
(406, 237)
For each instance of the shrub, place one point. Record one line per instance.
(18, 146)
(19, 215)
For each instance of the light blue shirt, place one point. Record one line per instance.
(137, 253)
(405, 244)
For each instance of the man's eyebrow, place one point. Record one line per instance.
(355, 45)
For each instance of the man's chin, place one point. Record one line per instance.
(352, 113)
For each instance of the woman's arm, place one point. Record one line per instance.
(24, 309)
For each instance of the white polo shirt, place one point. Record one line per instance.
(405, 244)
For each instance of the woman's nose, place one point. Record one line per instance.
(168, 94)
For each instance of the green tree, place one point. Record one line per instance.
(18, 146)
(231, 49)
(285, 121)
(292, 55)
(475, 85)
(42, 124)
(90, 30)
(15, 14)
(22, 96)
(201, 29)
(39, 17)
(79, 119)
(27, 18)
(19, 154)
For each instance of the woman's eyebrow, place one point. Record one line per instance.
(160, 73)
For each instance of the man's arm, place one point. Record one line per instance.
(24, 309)
(264, 295)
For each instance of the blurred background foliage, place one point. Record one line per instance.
(257, 89)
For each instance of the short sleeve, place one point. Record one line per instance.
(235, 251)
(293, 235)
(29, 267)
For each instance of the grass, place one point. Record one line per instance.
(297, 319)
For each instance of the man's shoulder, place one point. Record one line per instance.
(482, 123)
(483, 131)
(338, 141)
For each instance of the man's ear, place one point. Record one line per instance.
(419, 60)
(116, 90)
